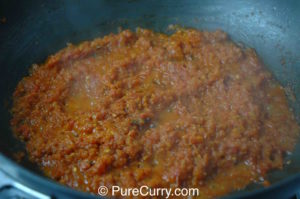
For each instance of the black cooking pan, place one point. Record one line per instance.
(31, 30)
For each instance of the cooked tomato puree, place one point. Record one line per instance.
(191, 109)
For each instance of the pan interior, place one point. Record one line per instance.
(32, 30)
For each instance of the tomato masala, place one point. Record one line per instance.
(190, 109)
